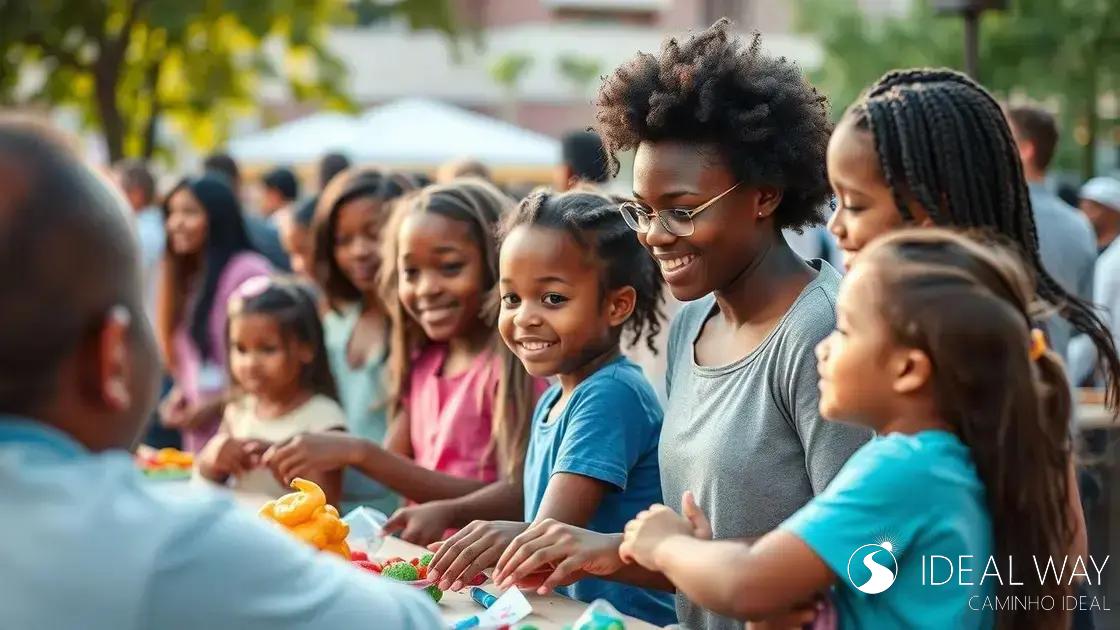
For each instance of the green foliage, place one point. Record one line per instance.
(1062, 51)
(579, 70)
(508, 69)
(198, 64)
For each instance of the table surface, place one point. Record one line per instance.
(550, 612)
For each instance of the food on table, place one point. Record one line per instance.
(401, 572)
(166, 463)
(307, 516)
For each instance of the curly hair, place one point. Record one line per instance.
(770, 124)
(594, 222)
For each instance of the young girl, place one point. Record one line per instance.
(208, 256)
(345, 261)
(460, 403)
(935, 351)
(573, 278)
(729, 151)
(278, 363)
(932, 147)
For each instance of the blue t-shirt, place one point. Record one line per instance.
(608, 431)
(921, 494)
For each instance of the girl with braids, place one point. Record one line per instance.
(345, 260)
(730, 146)
(459, 401)
(573, 281)
(932, 147)
(969, 405)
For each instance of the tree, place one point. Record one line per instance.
(1066, 51)
(507, 71)
(579, 70)
(129, 64)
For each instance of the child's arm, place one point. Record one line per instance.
(399, 437)
(310, 453)
(331, 483)
(569, 498)
(426, 523)
(744, 581)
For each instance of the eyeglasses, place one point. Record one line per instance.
(676, 221)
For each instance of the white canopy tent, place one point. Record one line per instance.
(414, 132)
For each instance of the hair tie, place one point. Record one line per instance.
(1038, 344)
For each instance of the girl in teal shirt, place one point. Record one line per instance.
(935, 350)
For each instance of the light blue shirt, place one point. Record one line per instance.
(1068, 248)
(920, 493)
(364, 398)
(86, 542)
(1106, 296)
(608, 431)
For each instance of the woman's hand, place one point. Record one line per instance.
(565, 552)
(471, 550)
(310, 453)
(422, 524)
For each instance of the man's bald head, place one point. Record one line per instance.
(67, 257)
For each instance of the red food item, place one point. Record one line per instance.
(372, 567)
(423, 572)
(359, 555)
(414, 562)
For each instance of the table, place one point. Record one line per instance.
(550, 612)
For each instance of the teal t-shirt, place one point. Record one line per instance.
(608, 431)
(911, 497)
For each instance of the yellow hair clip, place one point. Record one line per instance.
(1038, 344)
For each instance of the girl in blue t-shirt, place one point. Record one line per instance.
(940, 519)
(572, 279)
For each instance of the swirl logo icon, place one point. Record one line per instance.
(873, 568)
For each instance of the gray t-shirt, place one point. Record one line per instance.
(747, 438)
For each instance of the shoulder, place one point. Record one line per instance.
(326, 413)
(812, 317)
(915, 460)
(688, 320)
(620, 387)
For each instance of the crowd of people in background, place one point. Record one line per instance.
(896, 301)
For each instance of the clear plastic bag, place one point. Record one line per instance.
(600, 615)
(367, 529)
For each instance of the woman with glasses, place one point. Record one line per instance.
(730, 147)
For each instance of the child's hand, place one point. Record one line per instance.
(173, 410)
(475, 547)
(701, 526)
(567, 552)
(223, 456)
(421, 524)
(648, 530)
(794, 619)
(310, 453)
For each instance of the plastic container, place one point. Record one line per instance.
(367, 529)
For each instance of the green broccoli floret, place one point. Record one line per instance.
(401, 571)
(426, 559)
(435, 593)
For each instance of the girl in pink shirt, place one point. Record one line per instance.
(460, 402)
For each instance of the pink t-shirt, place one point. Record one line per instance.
(450, 417)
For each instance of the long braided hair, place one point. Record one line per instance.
(944, 143)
